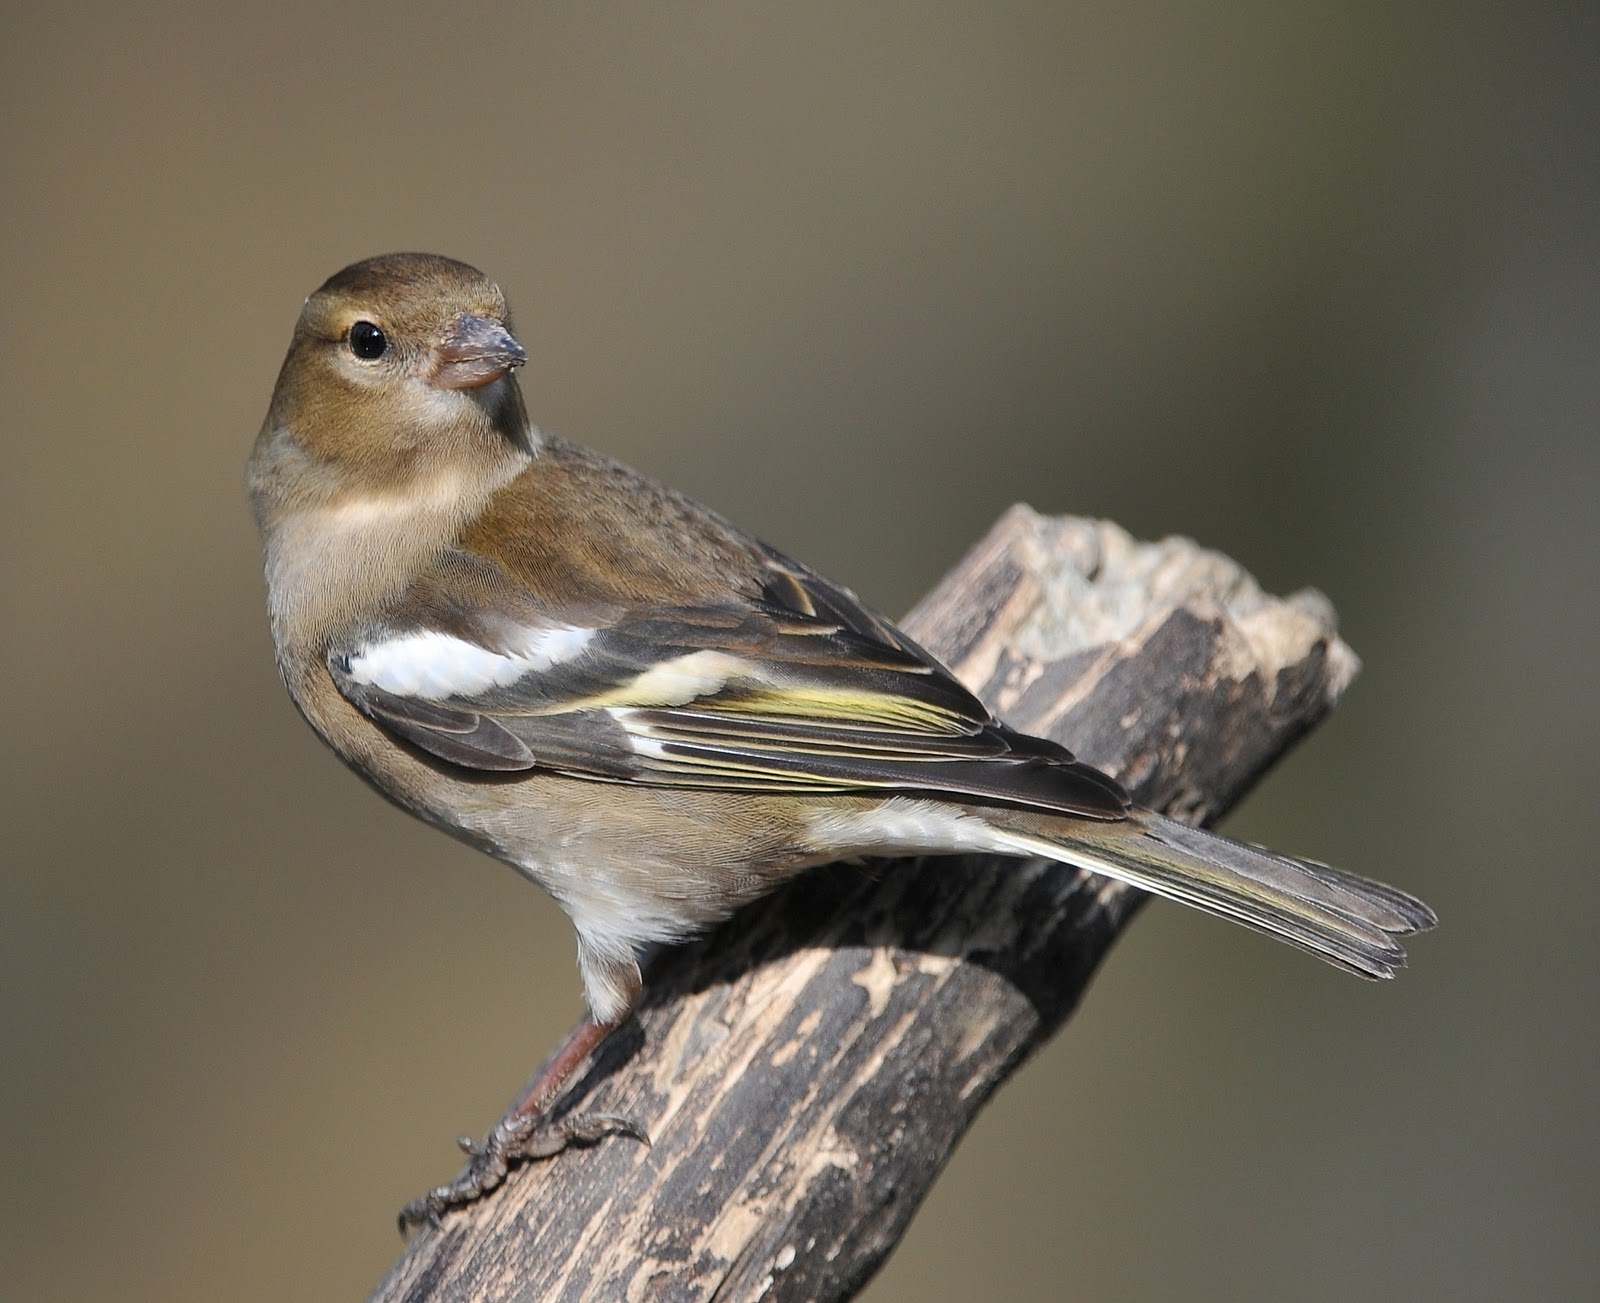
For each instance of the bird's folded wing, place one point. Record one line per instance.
(800, 689)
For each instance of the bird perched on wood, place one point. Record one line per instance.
(631, 701)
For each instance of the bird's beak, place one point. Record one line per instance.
(473, 352)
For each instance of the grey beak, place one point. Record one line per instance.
(473, 352)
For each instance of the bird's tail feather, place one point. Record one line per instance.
(1349, 921)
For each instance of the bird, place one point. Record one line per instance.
(633, 702)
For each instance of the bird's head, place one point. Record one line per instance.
(399, 363)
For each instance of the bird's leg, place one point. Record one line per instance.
(525, 1132)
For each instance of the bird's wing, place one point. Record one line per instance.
(795, 688)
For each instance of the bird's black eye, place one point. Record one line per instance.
(367, 341)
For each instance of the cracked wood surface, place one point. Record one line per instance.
(805, 1070)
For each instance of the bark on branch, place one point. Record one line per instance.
(805, 1071)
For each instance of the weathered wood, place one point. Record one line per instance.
(805, 1071)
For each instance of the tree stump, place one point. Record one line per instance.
(805, 1070)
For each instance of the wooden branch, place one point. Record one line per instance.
(805, 1071)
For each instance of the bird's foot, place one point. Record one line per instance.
(514, 1139)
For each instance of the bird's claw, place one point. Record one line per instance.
(512, 1140)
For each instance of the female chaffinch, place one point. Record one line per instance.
(622, 695)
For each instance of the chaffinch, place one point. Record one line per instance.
(631, 701)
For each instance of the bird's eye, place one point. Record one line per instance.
(367, 341)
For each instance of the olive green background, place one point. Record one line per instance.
(1316, 284)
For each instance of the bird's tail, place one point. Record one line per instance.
(1349, 921)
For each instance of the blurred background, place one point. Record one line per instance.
(1316, 285)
